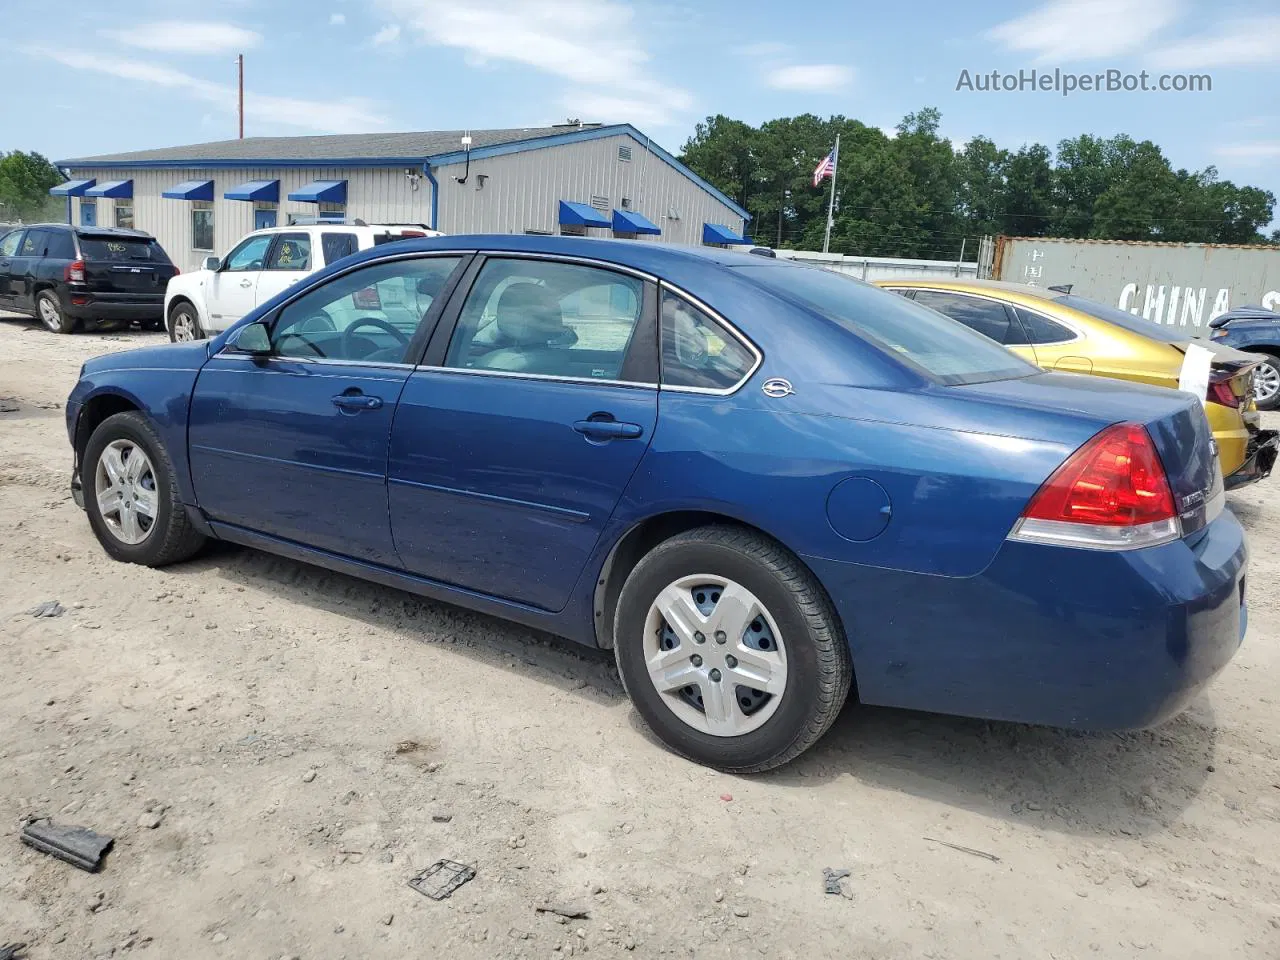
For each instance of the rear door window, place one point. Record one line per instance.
(122, 249)
(34, 243)
(985, 316)
(697, 351)
(1040, 329)
(292, 251)
(335, 245)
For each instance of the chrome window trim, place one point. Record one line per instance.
(742, 338)
(258, 359)
(1079, 335)
(517, 375)
(568, 258)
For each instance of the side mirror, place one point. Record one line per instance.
(212, 263)
(254, 338)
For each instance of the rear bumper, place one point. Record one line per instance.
(1260, 459)
(1050, 635)
(86, 305)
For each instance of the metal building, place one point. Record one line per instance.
(598, 180)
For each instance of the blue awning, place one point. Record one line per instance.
(581, 215)
(322, 191)
(72, 188)
(718, 233)
(265, 191)
(115, 189)
(190, 190)
(628, 221)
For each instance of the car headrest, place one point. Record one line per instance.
(529, 314)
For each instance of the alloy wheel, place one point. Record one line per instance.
(1266, 381)
(125, 487)
(716, 655)
(184, 327)
(49, 314)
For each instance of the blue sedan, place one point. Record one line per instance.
(763, 486)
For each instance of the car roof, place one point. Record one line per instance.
(658, 258)
(111, 232)
(971, 284)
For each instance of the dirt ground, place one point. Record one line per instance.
(278, 749)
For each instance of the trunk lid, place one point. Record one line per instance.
(1175, 421)
(124, 264)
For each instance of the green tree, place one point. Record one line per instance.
(25, 181)
(1028, 192)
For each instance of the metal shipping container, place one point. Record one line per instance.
(1176, 284)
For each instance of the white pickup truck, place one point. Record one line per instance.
(264, 263)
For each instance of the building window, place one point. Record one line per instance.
(624, 154)
(202, 226)
(88, 212)
(124, 215)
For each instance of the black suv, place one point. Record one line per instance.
(67, 275)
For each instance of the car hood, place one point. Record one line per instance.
(169, 356)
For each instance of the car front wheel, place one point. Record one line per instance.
(730, 649)
(131, 495)
(1266, 382)
(184, 324)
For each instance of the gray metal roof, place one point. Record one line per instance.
(348, 146)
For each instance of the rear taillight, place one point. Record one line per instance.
(74, 271)
(367, 299)
(1111, 494)
(411, 233)
(1221, 392)
(176, 271)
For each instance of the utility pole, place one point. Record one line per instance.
(240, 68)
(831, 204)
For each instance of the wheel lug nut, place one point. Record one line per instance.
(730, 662)
(720, 636)
(715, 676)
(699, 638)
(696, 660)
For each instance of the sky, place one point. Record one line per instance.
(116, 75)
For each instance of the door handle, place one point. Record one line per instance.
(246, 283)
(355, 402)
(608, 430)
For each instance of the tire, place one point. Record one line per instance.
(1266, 381)
(51, 314)
(167, 536)
(184, 323)
(794, 629)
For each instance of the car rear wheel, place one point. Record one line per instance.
(1266, 382)
(730, 649)
(51, 313)
(131, 495)
(184, 324)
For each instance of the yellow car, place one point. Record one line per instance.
(1058, 331)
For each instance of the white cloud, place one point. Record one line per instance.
(187, 36)
(1238, 43)
(811, 77)
(594, 44)
(1260, 151)
(1065, 31)
(337, 19)
(347, 115)
(387, 35)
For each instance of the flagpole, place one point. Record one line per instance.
(831, 204)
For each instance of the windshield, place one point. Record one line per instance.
(122, 249)
(1125, 320)
(941, 348)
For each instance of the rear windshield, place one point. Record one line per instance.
(1124, 319)
(122, 249)
(938, 346)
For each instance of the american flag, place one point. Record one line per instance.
(825, 169)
